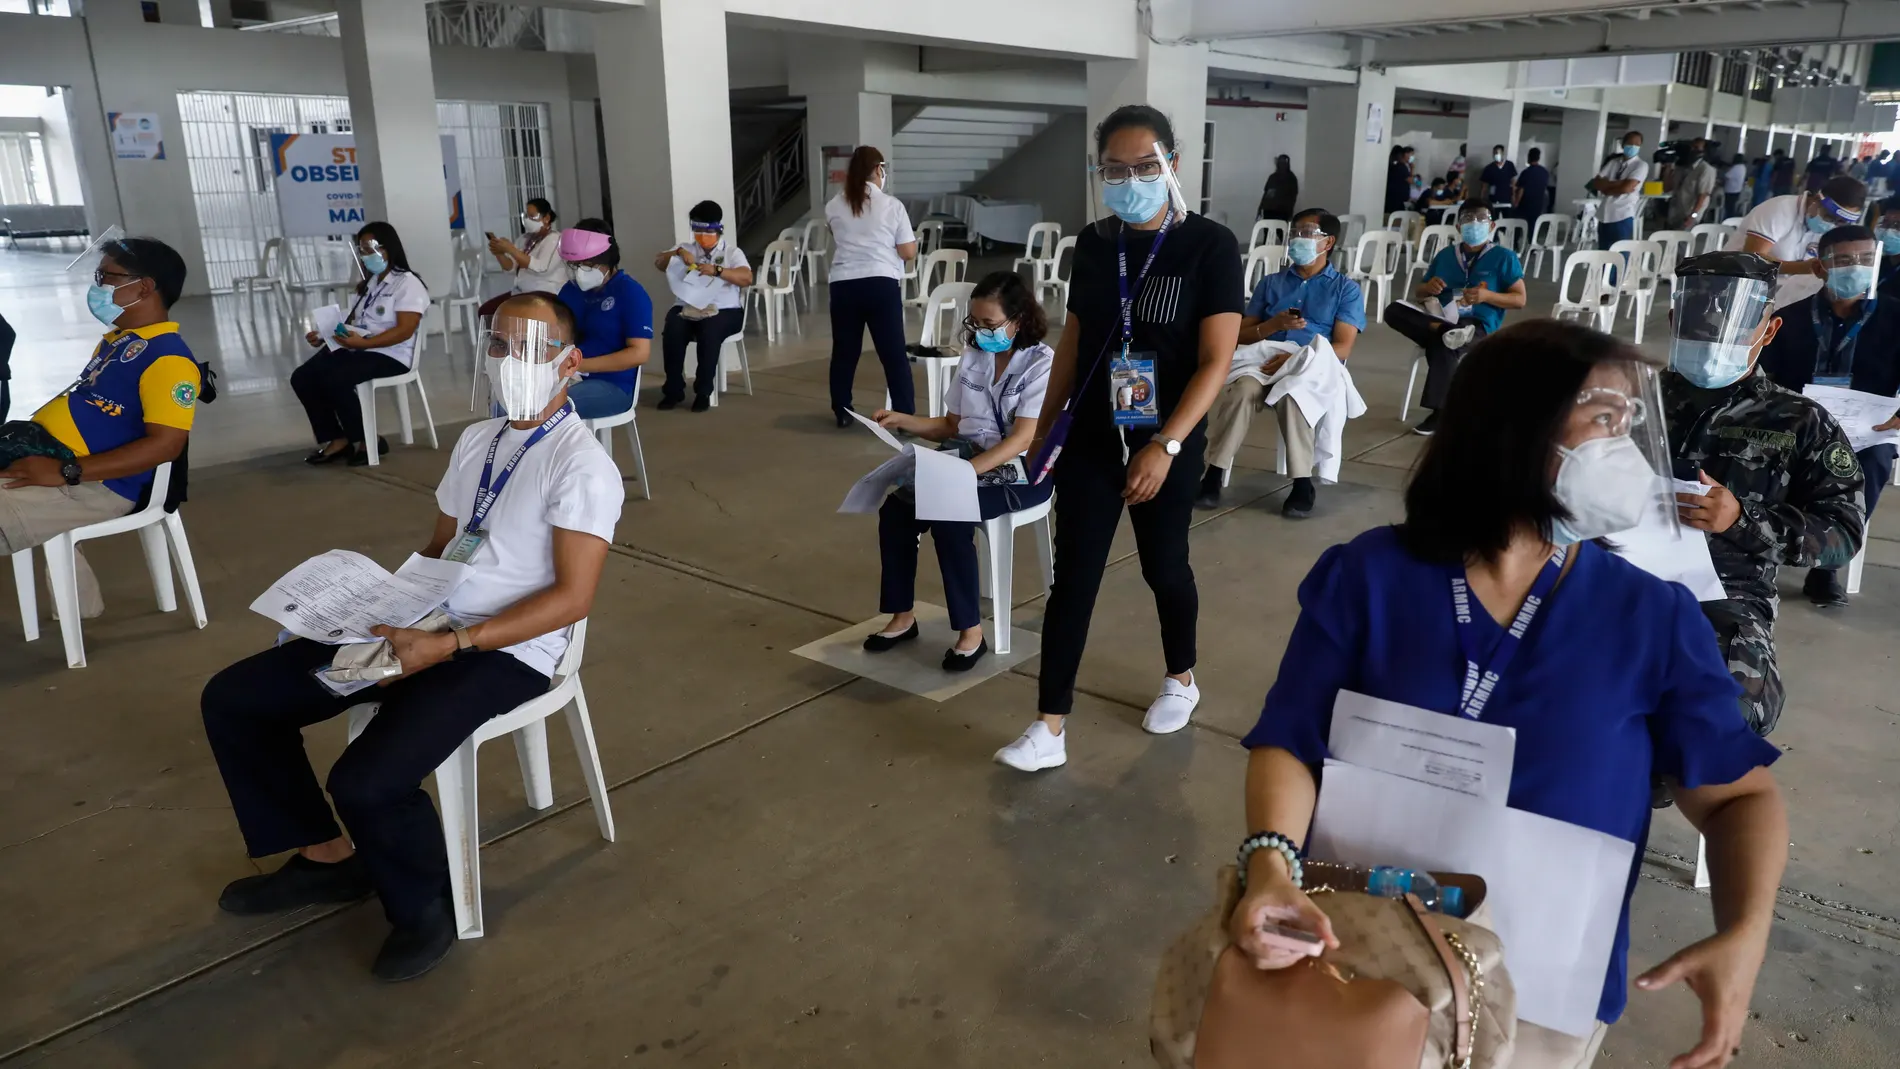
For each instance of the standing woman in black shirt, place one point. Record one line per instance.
(1138, 376)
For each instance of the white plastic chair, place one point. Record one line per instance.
(1513, 234)
(954, 264)
(816, 241)
(268, 277)
(1039, 251)
(461, 308)
(997, 562)
(777, 286)
(1262, 260)
(929, 237)
(1549, 238)
(1431, 241)
(1407, 224)
(1708, 237)
(1675, 246)
(1636, 281)
(732, 355)
(949, 302)
(456, 780)
(1734, 223)
(1267, 232)
(1598, 295)
(1061, 269)
(1376, 261)
(161, 533)
(603, 428)
(1350, 228)
(366, 400)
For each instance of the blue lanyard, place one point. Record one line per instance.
(1832, 359)
(486, 495)
(1121, 274)
(1481, 680)
(1466, 265)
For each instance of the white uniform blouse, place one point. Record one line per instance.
(546, 271)
(865, 246)
(987, 407)
(375, 311)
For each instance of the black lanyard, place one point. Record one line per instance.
(1466, 265)
(1481, 679)
(1830, 359)
(486, 495)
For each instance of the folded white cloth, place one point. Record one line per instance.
(361, 664)
(1319, 384)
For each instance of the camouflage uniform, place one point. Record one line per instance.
(1788, 463)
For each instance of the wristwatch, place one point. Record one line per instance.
(464, 643)
(71, 472)
(1170, 446)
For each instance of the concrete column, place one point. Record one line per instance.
(1172, 78)
(1345, 172)
(668, 125)
(852, 118)
(398, 143)
(1581, 145)
(1494, 122)
(586, 169)
(1756, 141)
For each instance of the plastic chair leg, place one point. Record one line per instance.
(582, 728)
(366, 400)
(606, 436)
(158, 563)
(531, 751)
(1046, 552)
(1002, 554)
(1701, 862)
(639, 459)
(455, 785)
(428, 417)
(187, 568)
(745, 365)
(1854, 568)
(28, 594)
(402, 412)
(63, 577)
(1411, 381)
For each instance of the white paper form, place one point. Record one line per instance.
(944, 483)
(336, 597)
(1673, 552)
(325, 320)
(1465, 756)
(694, 290)
(1857, 413)
(1555, 890)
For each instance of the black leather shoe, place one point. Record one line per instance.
(1823, 587)
(1299, 502)
(702, 403)
(877, 643)
(414, 949)
(298, 883)
(668, 404)
(955, 661)
(1209, 496)
(359, 457)
(321, 456)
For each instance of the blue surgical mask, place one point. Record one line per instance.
(1303, 251)
(1846, 283)
(1631, 150)
(1710, 365)
(99, 302)
(993, 339)
(1889, 241)
(375, 262)
(1135, 201)
(1818, 225)
(1475, 233)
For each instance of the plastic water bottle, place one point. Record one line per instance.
(1388, 881)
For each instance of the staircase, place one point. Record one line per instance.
(945, 149)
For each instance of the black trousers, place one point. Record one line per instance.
(708, 335)
(1429, 331)
(898, 532)
(877, 303)
(1089, 481)
(254, 713)
(326, 385)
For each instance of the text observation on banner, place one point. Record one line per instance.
(320, 189)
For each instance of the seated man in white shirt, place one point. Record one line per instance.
(709, 282)
(529, 502)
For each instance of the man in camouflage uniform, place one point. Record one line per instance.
(1783, 487)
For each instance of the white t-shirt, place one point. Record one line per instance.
(691, 287)
(1735, 178)
(977, 396)
(567, 480)
(546, 271)
(1784, 222)
(865, 246)
(1624, 205)
(375, 311)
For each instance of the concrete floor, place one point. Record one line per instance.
(812, 869)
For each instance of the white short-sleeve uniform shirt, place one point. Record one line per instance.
(375, 311)
(1783, 221)
(865, 246)
(979, 399)
(1624, 205)
(725, 254)
(567, 480)
(546, 271)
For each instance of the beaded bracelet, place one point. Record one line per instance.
(1271, 840)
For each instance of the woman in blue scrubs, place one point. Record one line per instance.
(615, 318)
(1616, 677)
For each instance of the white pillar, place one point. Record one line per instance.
(1580, 151)
(664, 107)
(1346, 162)
(398, 143)
(1171, 78)
(831, 74)
(1493, 122)
(1653, 128)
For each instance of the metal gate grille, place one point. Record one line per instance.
(502, 150)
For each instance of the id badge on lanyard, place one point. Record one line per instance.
(1133, 384)
(1834, 364)
(1482, 672)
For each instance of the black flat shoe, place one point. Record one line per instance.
(322, 456)
(702, 403)
(1823, 587)
(877, 643)
(844, 418)
(299, 882)
(1299, 501)
(954, 660)
(668, 404)
(414, 949)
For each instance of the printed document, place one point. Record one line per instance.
(944, 483)
(1857, 413)
(336, 597)
(325, 320)
(1461, 755)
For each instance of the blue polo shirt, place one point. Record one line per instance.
(1325, 299)
(1597, 709)
(608, 316)
(1496, 266)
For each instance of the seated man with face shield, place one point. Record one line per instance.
(1845, 336)
(1308, 299)
(1782, 485)
(529, 502)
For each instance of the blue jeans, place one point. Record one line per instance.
(594, 398)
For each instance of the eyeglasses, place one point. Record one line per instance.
(1308, 232)
(1142, 170)
(1850, 259)
(1612, 409)
(1480, 216)
(99, 276)
(503, 345)
(973, 324)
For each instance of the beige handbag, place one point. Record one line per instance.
(1407, 989)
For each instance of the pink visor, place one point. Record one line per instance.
(578, 245)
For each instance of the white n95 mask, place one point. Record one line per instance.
(589, 278)
(1605, 484)
(523, 388)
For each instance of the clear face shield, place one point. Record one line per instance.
(1715, 323)
(88, 259)
(1135, 191)
(1853, 269)
(1614, 464)
(522, 359)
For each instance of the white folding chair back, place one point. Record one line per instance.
(366, 400)
(268, 277)
(943, 314)
(1636, 280)
(1350, 228)
(778, 287)
(161, 534)
(461, 307)
(929, 236)
(1379, 256)
(943, 265)
(816, 243)
(456, 780)
(1708, 237)
(1597, 295)
(1514, 234)
(603, 429)
(1061, 268)
(997, 563)
(732, 355)
(1262, 260)
(1734, 223)
(1267, 232)
(1675, 246)
(1431, 241)
(1407, 223)
(1039, 252)
(1549, 238)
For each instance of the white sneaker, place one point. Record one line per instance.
(1458, 337)
(1173, 708)
(1037, 749)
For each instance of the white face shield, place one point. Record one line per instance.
(522, 360)
(88, 259)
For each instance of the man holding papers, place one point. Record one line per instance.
(1490, 608)
(1783, 486)
(529, 504)
(1846, 340)
(708, 276)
